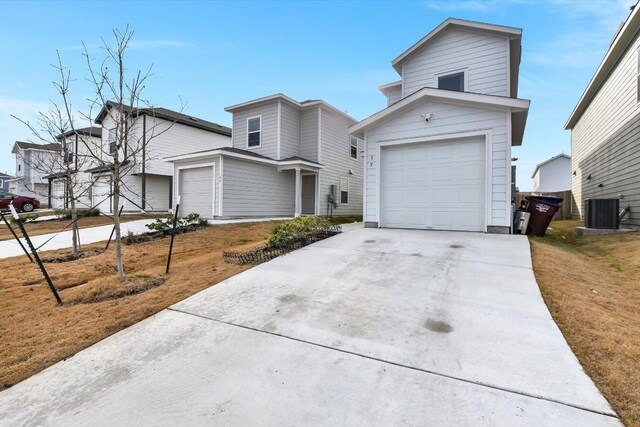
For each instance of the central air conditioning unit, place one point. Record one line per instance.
(601, 213)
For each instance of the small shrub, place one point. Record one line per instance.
(297, 227)
(66, 213)
(163, 224)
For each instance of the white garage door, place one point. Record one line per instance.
(101, 194)
(196, 191)
(434, 185)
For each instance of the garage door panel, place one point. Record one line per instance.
(196, 191)
(442, 189)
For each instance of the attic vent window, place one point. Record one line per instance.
(452, 82)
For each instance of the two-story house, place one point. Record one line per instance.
(439, 156)
(151, 135)
(605, 128)
(81, 144)
(288, 158)
(33, 163)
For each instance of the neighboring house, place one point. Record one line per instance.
(4, 181)
(605, 128)
(32, 163)
(288, 158)
(82, 145)
(148, 184)
(553, 175)
(439, 156)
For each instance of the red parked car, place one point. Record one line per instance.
(21, 203)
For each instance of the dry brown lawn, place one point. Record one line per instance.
(591, 285)
(35, 332)
(54, 226)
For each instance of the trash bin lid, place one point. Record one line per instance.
(550, 200)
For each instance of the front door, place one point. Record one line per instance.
(308, 194)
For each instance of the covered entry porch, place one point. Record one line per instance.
(306, 185)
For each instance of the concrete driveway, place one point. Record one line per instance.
(371, 327)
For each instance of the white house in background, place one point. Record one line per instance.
(80, 143)
(553, 174)
(31, 163)
(4, 181)
(288, 158)
(439, 155)
(605, 128)
(148, 184)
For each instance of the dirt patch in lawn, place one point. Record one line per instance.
(35, 332)
(591, 285)
(56, 225)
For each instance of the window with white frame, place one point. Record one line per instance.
(344, 191)
(254, 127)
(113, 137)
(454, 81)
(353, 147)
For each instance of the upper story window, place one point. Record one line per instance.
(70, 151)
(113, 137)
(254, 130)
(19, 167)
(353, 147)
(453, 81)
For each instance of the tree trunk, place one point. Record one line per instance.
(74, 216)
(116, 220)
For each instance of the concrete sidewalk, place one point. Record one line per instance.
(371, 327)
(11, 248)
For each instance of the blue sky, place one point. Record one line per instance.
(214, 54)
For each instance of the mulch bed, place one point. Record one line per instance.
(267, 253)
(72, 257)
(153, 235)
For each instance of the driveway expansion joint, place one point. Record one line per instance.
(400, 365)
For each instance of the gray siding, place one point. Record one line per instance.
(269, 113)
(485, 56)
(605, 143)
(158, 188)
(253, 189)
(335, 156)
(394, 94)
(289, 131)
(309, 134)
(165, 140)
(451, 119)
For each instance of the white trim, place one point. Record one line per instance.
(220, 152)
(507, 181)
(511, 31)
(488, 163)
(508, 66)
(213, 184)
(278, 129)
(260, 131)
(383, 88)
(364, 178)
(221, 187)
(319, 134)
(465, 77)
(402, 94)
(500, 102)
(318, 193)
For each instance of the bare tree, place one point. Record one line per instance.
(118, 94)
(61, 160)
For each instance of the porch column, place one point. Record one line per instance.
(298, 204)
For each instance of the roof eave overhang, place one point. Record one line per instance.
(515, 105)
(617, 49)
(202, 156)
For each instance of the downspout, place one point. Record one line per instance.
(144, 161)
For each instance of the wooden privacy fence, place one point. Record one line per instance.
(565, 210)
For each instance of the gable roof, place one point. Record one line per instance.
(245, 154)
(519, 109)
(514, 34)
(619, 46)
(166, 114)
(559, 156)
(293, 102)
(88, 131)
(31, 146)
